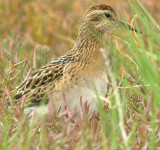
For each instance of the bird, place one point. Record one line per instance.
(74, 73)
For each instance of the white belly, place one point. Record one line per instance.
(88, 90)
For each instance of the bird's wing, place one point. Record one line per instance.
(35, 85)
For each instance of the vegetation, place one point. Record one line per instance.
(35, 32)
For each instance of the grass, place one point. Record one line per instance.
(32, 35)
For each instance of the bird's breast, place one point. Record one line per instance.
(87, 87)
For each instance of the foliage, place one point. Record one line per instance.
(35, 32)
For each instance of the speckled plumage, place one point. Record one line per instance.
(75, 72)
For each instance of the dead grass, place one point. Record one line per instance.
(35, 32)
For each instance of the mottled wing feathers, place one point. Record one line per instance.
(34, 86)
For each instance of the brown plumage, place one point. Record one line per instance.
(75, 72)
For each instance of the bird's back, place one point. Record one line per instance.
(34, 86)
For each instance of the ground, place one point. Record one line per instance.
(32, 33)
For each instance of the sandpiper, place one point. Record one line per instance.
(75, 72)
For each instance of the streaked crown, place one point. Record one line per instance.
(102, 18)
(100, 7)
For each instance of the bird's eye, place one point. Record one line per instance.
(108, 15)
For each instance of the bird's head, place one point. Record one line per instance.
(102, 18)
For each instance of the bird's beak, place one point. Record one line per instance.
(127, 26)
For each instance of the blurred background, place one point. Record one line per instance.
(33, 32)
(51, 26)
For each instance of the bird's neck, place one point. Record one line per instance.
(88, 44)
